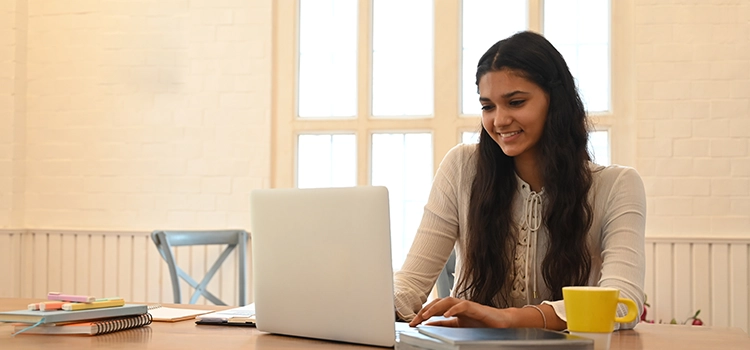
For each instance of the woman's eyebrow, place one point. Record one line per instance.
(506, 95)
(513, 93)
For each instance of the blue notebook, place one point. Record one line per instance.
(43, 317)
(447, 338)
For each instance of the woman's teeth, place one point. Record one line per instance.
(510, 133)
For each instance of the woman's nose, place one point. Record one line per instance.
(501, 117)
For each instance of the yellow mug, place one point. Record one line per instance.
(594, 309)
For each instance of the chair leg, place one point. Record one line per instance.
(242, 255)
(166, 253)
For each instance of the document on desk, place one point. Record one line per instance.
(169, 314)
(240, 316)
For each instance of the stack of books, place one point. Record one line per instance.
(77, 314)
(446, 338)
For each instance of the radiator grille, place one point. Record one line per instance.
(106, 264)
(682, 274)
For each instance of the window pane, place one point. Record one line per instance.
(599, 147)
(580, 30)
(403, 163)
(327, 58)
(326, 161)
(485, 22)
(402, 58)
(470, 137)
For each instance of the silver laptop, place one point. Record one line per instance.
(322, 263)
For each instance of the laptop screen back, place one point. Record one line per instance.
(322, 263)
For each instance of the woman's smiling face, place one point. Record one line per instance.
(514, 110)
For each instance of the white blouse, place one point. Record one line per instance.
(616, 236)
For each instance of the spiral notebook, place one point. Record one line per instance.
(102, 326)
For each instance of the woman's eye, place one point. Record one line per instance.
(517, 102)
(486, 107)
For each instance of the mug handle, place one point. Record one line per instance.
(632, 311)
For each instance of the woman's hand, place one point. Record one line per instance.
(463, 313)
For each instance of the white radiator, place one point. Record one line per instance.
(106, 264)
(684, 275)
(10, 263)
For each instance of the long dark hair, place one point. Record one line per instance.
(488, 257)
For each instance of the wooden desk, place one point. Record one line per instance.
(187, 335)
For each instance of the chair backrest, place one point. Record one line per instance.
(165, 240)
(446, 277)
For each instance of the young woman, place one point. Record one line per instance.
(526, 210)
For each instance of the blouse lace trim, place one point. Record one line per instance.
(526, 248)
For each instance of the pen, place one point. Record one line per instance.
(46, 306)
(69, 297)
(98, 304)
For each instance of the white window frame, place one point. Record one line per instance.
(447, 123)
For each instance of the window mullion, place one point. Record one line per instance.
(536, 15)
(623, 98)
(364, 91)
(447, 77)
(285, 89)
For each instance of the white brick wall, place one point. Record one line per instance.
(693, 77)
(7, 106)
(13, 19)
(144, 115)
(157, 113)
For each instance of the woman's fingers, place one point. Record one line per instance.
(416, 320)
(419, 318)
(471, 310)
(450, 322)
(435, 307)
(462, 313)
(462, 308)
(439, 307)
(484, 315)
(448, 307)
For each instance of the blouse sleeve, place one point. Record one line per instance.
(623, 244)
(433, 242)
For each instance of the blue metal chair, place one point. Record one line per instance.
(446, 278)
(165, 240)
